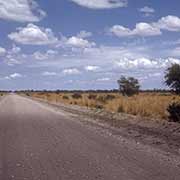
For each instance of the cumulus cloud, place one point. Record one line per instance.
(14, 76)
(21, 10)
(146, 63)
(145, 29)
(91, 68)
(33, 35)
(15, 49)
(14, 56)
(101, 4)
(71, 71)
(136, 63)
(103, 79)
(147, 11)
(84, 34)
(44, 56)
(2, 51)
(169, 23)
(141, 29)
(47, 73)
(78, 42)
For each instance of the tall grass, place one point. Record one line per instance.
(152, 105)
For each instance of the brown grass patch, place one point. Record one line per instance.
(152, 105)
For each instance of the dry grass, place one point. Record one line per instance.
(152, 105)
(2, 94)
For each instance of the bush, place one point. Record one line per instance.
(120, 109)
(99, 106)
(101, 99)
(92, 96)
(110, 97)
(174, 112)
(76, 96)
(65, 97)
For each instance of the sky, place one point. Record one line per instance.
(87, 44)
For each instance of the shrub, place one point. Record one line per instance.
(99, 106)
(101, 99)
(110, 97)
(65, 97)
(76, 96)
(174, 112)
(92, 96)
(120, 109)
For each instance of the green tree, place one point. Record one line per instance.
(172, 77)
(128, 86)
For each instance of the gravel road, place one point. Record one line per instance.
(39, 143)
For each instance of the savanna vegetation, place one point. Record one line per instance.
(146, 104)
(128, 99)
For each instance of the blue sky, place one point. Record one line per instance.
(86, 44)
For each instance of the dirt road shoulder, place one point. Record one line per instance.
(157, 133)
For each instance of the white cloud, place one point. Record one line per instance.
(13, 56)
(11, 61)
(40, 56)
(2, 51)
(84, 34)
(169, 23)
(104, 79)
(145, 29)
(91, 68)
(79, 42)
(49, 54)
(142, 29)
(136, 63)
(21, 10)
(130, 60)
(147, 11)
(33, 35)
(47, 73)
(125, 58)
(14, 76)
(145, 63)
(120, 31)
(168, 61)
(15, 49)
(101, 4)
(71, 71)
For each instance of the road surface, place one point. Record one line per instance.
(38, 143)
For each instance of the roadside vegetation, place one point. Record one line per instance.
(2, 93)
(128, 99)
(146, 104)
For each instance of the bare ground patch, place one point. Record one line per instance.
(157, 133)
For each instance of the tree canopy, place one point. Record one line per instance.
(128, 85)
(172, 77)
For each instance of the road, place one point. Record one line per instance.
(38, 143)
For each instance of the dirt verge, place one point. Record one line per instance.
(157, 133)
